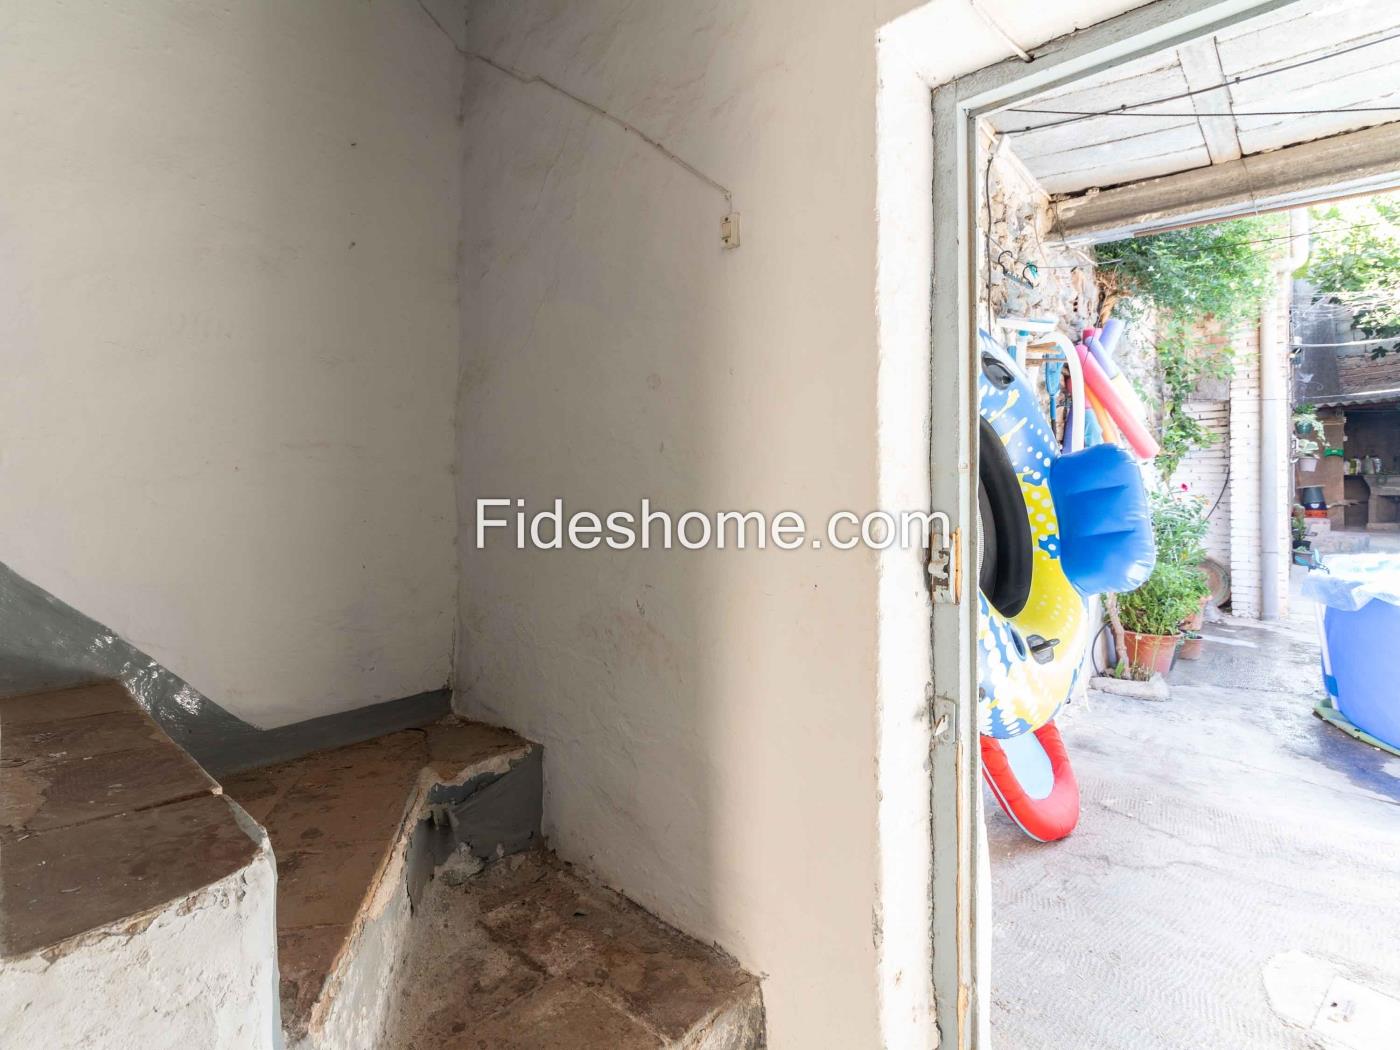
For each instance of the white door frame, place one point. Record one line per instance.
(960, 933)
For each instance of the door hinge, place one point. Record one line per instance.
(945, 721)
(945, 565)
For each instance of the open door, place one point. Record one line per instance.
(961, 961)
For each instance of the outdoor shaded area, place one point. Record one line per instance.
(1233, 852)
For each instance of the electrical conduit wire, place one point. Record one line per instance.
(1229, 82)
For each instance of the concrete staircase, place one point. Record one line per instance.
(412, 903)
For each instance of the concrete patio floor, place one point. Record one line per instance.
(1226, 833)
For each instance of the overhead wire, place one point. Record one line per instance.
(1125, 110)
(1193, 113)
(1204, 250)
(1228, 82)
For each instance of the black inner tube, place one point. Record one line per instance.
(1004, 530)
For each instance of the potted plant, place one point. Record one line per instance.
(1298, 525)
(1152, 616)
(1307, 429)
(1175, 594)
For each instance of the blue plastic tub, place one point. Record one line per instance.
(1360, 626)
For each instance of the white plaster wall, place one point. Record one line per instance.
(1248, 460)
(228, 333)
(721, 729)
(200, 972)
(707, 717)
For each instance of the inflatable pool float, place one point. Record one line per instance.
(1053, 528)
(1032, 780)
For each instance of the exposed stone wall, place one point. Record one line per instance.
(1022, 223)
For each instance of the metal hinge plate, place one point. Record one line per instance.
(945, 565)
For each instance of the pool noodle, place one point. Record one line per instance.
(1129, 395)
(1110, 333)
(1134, 433)
(1110, 432)
(1095, 345)
(1093, 431)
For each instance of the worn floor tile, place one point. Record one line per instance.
(368, 808)
(79, 702)
(479, 943)
(45, 742)
(304, 958)
(455, 747)
(560, 1015)
(52, 885)
(324, 887)
(257, 791)
(666, 979)
(556, 922)
(574, 929)
(41, 796)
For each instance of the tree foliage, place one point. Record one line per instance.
(1219, 271)
(1355, 261)
(1189, 277)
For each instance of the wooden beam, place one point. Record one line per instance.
(1200, 64)
(1357, 162)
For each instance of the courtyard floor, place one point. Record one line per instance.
(1234, 882)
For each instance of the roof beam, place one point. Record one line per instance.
(1200, 63)
(1357, 162)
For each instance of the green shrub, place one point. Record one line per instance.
(1179, 527)
(1170, 595)
(1174, 590)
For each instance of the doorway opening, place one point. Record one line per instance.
(1138, 252)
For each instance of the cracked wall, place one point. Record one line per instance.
(707, 716)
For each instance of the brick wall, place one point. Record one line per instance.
(1358, 372)
(1206, 471)
(1232, 409)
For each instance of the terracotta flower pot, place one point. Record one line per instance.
(1192, 646)
(1197, 619)
(1150, 652)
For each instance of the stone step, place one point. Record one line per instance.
(121, 863)
(528, 954)
(411, 903)
(356, 832)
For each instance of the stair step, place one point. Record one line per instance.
(102, 817)
(121, 867)
(529, 955)
(353, 844)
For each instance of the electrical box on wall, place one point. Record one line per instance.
(729, 230)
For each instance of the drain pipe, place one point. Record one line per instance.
(1274, 407)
